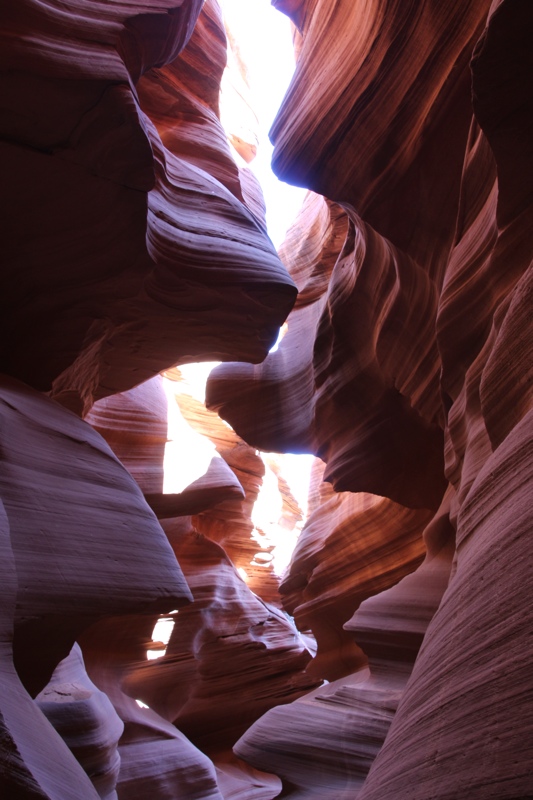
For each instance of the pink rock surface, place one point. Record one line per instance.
(86, 721)
(156, 759)
(352, 546)
(132, 243)
(135, 425)
(35, 763)
(73, 512)
(230, 523)
(324, 743)
(433, 180)
(228, 631)
(354, 380)
(83, 164)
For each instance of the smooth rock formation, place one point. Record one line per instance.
(73, 511)
(156, 759)
(356, 379)
(324, 744)
(413, 368)
(227, 632)
(86, 721)
(84, 165)
(134, 243)
(352, 546)
(35, 763)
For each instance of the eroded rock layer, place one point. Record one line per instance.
(122, 248)
(132, 242)
(407, 367)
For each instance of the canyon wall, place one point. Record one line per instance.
(392, 658)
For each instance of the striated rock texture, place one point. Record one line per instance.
(34, 761)
(132, 243)
(410, 367)
(323, 745)
(233, 656)
(123, 251)
(73, 510)
(352, 546)
(86, 721)
(230, 656)
(156, 759)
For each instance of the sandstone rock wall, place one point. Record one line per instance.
(132, 243)
(410, 368)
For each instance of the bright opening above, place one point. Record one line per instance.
(262, 38)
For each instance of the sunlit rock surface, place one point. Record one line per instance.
(415, 369)
(244, 526)
(324, 743)
(188, 681)
(123, 252)
(156, 759)
(133, 242)
(352, 546)
(227, 632)
(354, 380)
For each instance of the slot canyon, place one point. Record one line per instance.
(391, 658)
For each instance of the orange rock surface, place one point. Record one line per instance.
(132, 244)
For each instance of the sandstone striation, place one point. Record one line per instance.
(413, 369)
(352, 546)
(349, 374)
(86, 721)
(324, 744)
(73, 510)
(156, 759)
(134, 242)
(227, 632)
(85, 166)
(34, 761)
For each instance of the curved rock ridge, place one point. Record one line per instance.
(228, 632)
(382, 158)
(239, 781)
(351, 547)
(73, 511)
(86, 721)
(324, 744)
(152, 242)
(430, 158)
(474, 655)
(140, 427)
(156, 759)
(182, 99)
(135, 426)
(355, 379)
(133, 242)
(241, 525)
(35, 763)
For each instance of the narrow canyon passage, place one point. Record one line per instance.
(188, 612)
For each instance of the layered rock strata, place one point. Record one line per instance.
(228, 632)
(133, 243)
(352, 546)
(85, 166)
(414, 120)
(324, 744)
